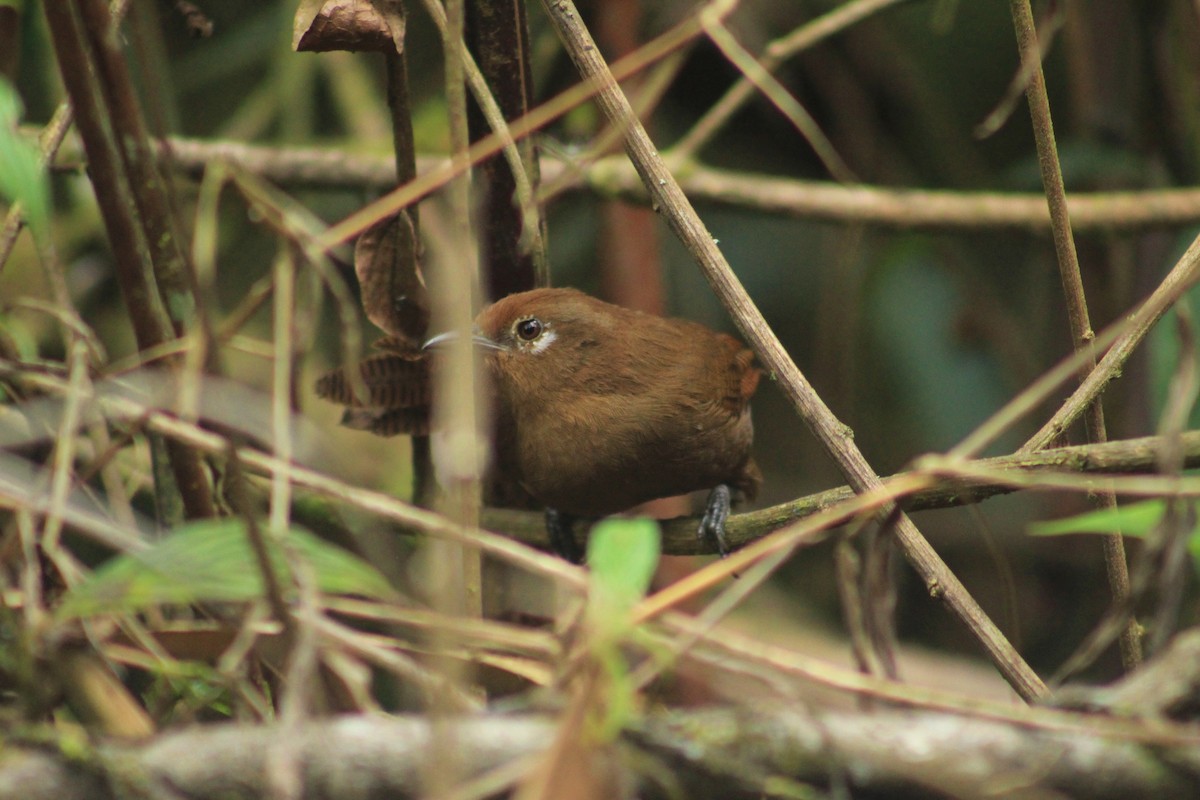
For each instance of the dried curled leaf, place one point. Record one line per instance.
(354, 25)
(389, 273)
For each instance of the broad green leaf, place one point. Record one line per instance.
(339, 571)
(22, 176)
(1132, 519)
(212, 561)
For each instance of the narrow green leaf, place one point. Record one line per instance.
(622, 556)
(619, 703)
(1132, 519)
(212, 561)
(22, 176)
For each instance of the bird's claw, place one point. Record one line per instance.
(712, 524)
(562, 540)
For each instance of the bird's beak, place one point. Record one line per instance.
(477, 339)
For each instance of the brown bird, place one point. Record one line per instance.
(597, 407)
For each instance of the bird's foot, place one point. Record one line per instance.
(712, 524)
(562, 540)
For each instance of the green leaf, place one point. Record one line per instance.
(339, 571)
(22, 176)
(622, 555)
(619, 700)
(1132, 519)
(212, 561)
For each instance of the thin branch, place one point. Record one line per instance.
(111, 187)
(912, 208)
(127, 213)
(836, 438)
(783, 100)
(512, 226)
(326, 168)
(1077, 310)
(774, 55)
(168, 252)
(1182, 277)
(49, 141)
(1022, 470)
(469, 70)
(659, 48)
(406, 268)
(456, 572)
(118, 402)
(1126, 456)
(735, 652)
(63, 462)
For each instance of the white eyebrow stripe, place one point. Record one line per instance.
(545, 341)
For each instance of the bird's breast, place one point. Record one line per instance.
(602, 455)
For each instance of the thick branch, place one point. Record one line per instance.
(711, 753)
(727, 753)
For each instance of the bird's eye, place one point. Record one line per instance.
(529, 329)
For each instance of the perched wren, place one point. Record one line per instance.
(597, 407)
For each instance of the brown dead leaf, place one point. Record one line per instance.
(354, 25)
(394, 296)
